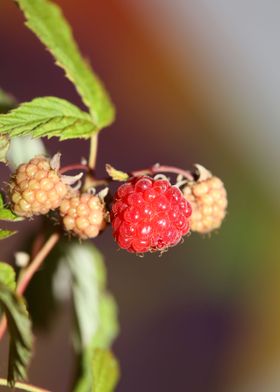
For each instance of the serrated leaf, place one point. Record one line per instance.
(24, 148)
(19, 327)
(4, 147)
(45, 19)
(47, 116)
(6, 214)
(6, 234)
(106, 372)
(7, 276)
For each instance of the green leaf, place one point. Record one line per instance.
(4, 147)
(48, 116)
(24, 148)
(106, 372)
(85, 265)
(6, 234)
(19, 327)
(107, 325)
(108, 328)
(6, 214)
(45, 19)
(7, 276)
(105, 335)
(7, 102)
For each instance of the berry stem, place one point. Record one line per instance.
(30, 271)
(93, 151)
(23, 386)
(164, 169)
(76, 166)
(90, 181)
(36, 263)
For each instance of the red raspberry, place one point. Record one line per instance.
(208, 198)
(149, 215)
(83, 214)
(36, 188)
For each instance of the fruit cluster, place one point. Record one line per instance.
(147, 214)
(37, 188)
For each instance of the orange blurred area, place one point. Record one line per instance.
(204, 316)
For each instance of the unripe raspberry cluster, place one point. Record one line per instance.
(36, 189)
(208, 198)
(83, 214)
(149, 215)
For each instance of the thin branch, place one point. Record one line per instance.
(93, 151)
(36, 263)
(164, 169)
(23, 386)
(76, 166)
(28, 273)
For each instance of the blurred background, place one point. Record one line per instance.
(192, 82)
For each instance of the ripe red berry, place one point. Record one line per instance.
(149, 215)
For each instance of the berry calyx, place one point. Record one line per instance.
(83, 214)
(36, 188)
(208, 199)
(149, 215)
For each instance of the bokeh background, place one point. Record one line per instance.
(192, 82)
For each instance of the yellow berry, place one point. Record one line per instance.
(36, 188)
(83, 215)
(208, 199)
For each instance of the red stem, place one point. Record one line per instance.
(30, 271)
(78, 166)
(164, 169)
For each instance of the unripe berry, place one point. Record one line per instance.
(208, 198)
(36, 188)
(83, 215)
(149, 215)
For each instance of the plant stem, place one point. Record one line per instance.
(30, 271)
(164, 169)
(36, 263)
(23, 386)
(93, 151)
(3, 325)
(77, 166)
(90, 181)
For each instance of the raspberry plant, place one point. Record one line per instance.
(147, 212)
